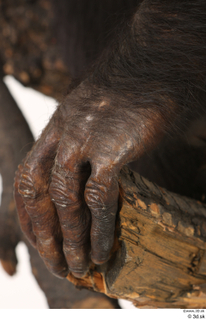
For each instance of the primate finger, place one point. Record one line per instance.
(24, 219)
(33, 187)
(67, 191)
(101, 195)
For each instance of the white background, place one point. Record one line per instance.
(21, 291)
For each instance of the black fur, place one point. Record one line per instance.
(141, 99)
(149, 57)
(85, 28)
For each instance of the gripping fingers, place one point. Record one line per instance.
(101, 195)
(24, 219)
(67, 192)
(33, 188)
(45, 224)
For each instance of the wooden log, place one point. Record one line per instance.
(159, 255)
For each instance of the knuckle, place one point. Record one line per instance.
(74, 228)
(27, 185)
(77, 238)
(61, 194)
(96, 197)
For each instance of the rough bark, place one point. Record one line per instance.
(159, 256)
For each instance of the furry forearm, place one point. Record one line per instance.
(160, 55)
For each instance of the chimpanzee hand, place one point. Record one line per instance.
(67, 188)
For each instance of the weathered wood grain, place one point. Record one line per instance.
(159, 257)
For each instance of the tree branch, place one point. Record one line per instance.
(159, 257)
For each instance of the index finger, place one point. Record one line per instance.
(24, 219)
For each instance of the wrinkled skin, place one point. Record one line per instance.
(67, 188)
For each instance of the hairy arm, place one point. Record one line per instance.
(151, 80)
